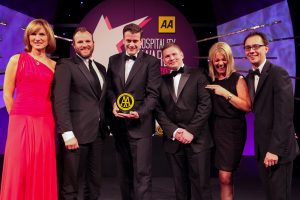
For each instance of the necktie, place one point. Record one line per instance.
(179, 71)
(130, 57)
(255, 82)
(96, 78)
(255, 72)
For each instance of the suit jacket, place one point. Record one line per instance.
(273, 107)
(77, 105)
(143, 82)
(190, 110)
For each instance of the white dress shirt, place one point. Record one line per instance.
(176, 80)
(128, 66)
(256, 77)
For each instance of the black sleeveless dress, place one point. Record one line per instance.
(229, 127)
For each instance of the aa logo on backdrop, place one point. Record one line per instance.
(160, 21)
(166, 24)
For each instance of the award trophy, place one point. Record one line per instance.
(158, 129)
(125, 102)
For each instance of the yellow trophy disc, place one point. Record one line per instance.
(125, 101)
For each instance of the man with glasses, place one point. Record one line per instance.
(272, 98)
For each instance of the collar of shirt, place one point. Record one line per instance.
(86, 60)
(260, 67)
(177, 70)
(132, 55)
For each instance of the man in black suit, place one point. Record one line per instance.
(137, 73)
(79, 97)
(183, 112)
(271, 92)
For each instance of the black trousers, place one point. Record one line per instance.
(80, 172)
(134, 160)
(191, 173)
(277, 180)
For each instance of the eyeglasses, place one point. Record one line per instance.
(254, 47)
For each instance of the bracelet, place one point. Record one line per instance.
(229, 97)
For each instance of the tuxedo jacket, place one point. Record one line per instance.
(273, 107)
(143, 82)
(189, 110)
(77, 105)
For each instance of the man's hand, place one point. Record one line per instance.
(72, 144)
(130, 115)
(116, 111)
(270, 159)
(178, 134)
(184, 136)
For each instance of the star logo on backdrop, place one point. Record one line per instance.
(108, 40)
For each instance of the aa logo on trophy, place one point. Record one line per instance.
(125, 102)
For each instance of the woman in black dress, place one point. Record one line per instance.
(231, 101)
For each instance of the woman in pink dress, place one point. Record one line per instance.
(29, 168)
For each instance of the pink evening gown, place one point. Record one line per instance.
(29, 168)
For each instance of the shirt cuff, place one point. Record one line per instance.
(68, 135)
(174, 134)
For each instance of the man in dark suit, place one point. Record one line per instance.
(271, 92)
(183, 112)
(137, 73)
(79, 97)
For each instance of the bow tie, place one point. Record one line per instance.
(255, 72)
(179, 71)
(130, 57)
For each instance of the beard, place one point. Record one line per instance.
(85, 54)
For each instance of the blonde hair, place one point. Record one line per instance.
(223, 48)
(34, 26)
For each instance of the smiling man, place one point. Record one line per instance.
(137, 73)
(183, 111)
(79, 97)
(272, 97)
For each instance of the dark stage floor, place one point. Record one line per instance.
(247, 183)
(245, 189)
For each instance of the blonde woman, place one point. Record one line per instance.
(231, 101)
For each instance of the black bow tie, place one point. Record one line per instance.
(255, 72)
(130, 57)
(179, 71)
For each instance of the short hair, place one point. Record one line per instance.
(170, 44)
(133, 28)
(225, 49)
(34, 26)
(260, 34)
(82, 29)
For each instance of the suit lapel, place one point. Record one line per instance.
(103, 74)
(135, 68)
(86, 73)
(182, 82)
(121, 63)
(170, 85)
(251, 86)
(262, 78)
(183, 79)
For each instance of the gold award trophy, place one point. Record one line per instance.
(125, 102)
